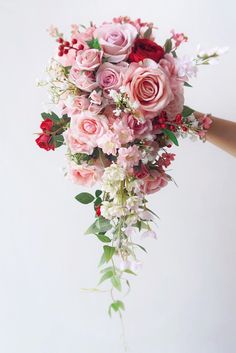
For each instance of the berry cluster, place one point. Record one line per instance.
(65, 46)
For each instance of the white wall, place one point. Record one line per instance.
(184, 299)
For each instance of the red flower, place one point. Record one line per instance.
(98, 211)
(43, 141)
(145, 48)
(141, 171)
(46, 125)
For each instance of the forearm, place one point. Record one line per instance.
(222, 133)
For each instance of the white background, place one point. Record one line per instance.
(184, 298)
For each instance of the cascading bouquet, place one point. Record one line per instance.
(120, 108)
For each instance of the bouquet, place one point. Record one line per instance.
(119, 108)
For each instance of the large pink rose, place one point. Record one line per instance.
(84, 174)
(89, 59)
(147, 84)
(154, 182)
(88, 127)
(116, 40)
(75, 145)
(110, 76)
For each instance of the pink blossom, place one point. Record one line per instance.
(75, 145)
(110, 76)
(129, 157)
(154, 182)
(178, 38)
(116, 40)
(109, 143)
(147, 84)
(84, 174)
(96, 97)
(89, 59)
(140, 128)
(88, 127)
(122, 130)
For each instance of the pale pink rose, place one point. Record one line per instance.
(75, 145)
(110, 76)
(84, 80)
(128, 157)
(116, 40)
(89, 59)
(147, 84)
(122, 130)
(88, 127)
(84, 174)
(96, 97)
(75, 105)
(109, 143)
(154, 182)
(140, 128)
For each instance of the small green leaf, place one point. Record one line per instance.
(130, 272)
(92, 229)
(115, 280)
(103, 224)
(103, 238)
(98, 201)
(186, 84)
(107, 269)
(98, 193)
(168, 45)
(108, 252)
(148, 33)
(171, 136)
(94, 44)
(116, 306)
(140, 246)
(58, 140)
(85, 198)
(187, 111)
(102, 260)
(106, 276)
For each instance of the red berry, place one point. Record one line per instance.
(178, 118)
(170, 145)
(60, 40)
(74, 41)
(172, 128)
(67, 44)
(161, 120)
(81, 47)
(60, 53)
(184, 128)
(163, 126)
(98, 211)
(66, 51)
(61, 47)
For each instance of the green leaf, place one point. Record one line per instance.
(58, 140)
(92, 229)
(171, 136)
(187, 111)
(94, 44)
(115, 280)
(148, 33)
(106, 276)
(116, 306)
(84, 197)
(140, 246)
(98, 201)
(102, 260)
(107, 269)
(108, 252)
(67, 70)
(130, 272)
(98, 193)
(168, 45)
(103, 224)
(186, 84)
(103, 238)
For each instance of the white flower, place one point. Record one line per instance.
(133, 266)
(149, 234)
(186, 67)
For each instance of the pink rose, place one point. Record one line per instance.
(147, 84)
(96, 97)
(140, 129)
(84, 80)
(89, 59)
(88, 127)
(154, 182)
(75, 105)
(110, 76)
(116, 40)
(84, 174)
(75, 145)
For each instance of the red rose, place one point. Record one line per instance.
(43, 141)
(47, 124)
(146, 49)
